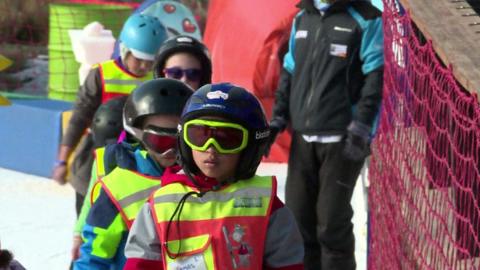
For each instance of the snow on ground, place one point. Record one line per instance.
(36, 220)
(37, 217)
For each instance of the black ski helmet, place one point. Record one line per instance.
(107, 121)
(155, 97)
(237, 105)
(184, 44)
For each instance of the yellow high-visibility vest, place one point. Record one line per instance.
(129, 190)
(116, 81)
(223, 229)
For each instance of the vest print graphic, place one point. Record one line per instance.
(238, 248)
(248, 202)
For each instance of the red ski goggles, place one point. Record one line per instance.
(228, 138)
(159, 139)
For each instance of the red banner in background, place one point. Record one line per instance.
(247, 40)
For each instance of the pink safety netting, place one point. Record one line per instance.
(424, 197)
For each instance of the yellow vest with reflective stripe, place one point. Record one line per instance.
(117, 81)
(129, 190)
(101, 171)
(224, 229)
(99, 155)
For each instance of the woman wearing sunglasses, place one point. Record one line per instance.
(184, 58)
(151, 115)
(216, 213)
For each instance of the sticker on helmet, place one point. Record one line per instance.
(184, 40)
(217, 94)
(262, 134)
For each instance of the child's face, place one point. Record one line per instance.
(167, 156)
(216, 165)
(136, 66)
(184, 67)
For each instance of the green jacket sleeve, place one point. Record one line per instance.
(86, 203)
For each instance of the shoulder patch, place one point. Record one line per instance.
(366, 10)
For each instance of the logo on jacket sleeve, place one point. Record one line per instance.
(342, 29)
(301, 34)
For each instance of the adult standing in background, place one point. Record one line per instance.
(330, 90)
(140, 39)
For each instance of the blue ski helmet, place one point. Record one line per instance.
(238, 106)
(143, 35)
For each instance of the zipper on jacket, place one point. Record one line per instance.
(312, 73)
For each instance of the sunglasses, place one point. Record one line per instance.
(192, 74)
(228, 138)
(159, 139)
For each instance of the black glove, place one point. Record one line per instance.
(357, 142)
(276, 126)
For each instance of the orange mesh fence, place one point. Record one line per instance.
(425, 181)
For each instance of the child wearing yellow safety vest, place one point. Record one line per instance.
(180, 57)
(214, 212)
(151, 115)
(139, 40)
(105, 129)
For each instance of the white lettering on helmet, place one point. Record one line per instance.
(217, 94)
(262, 134)
(185, 39)
(218, 106)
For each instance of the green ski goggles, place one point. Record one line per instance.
(228, 138)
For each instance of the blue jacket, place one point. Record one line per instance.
(334, 63)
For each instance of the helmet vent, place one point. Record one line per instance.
(142, 25)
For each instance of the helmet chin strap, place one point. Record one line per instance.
(123, 52)
(137, 133)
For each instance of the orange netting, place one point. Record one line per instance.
(425, 180)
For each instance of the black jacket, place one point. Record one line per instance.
(333, 71)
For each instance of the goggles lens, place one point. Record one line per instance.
(192, 74)
(159, 139)
(228, 138)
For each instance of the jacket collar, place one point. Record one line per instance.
(175, 174)
(308, 6)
